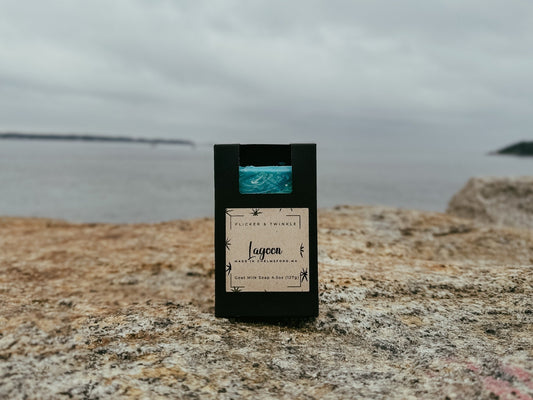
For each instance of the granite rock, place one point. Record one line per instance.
(502, 200)
(412, 305)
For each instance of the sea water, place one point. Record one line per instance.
(114, 182)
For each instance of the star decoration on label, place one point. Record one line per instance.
(255, 212)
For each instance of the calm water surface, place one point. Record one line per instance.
(109, 182)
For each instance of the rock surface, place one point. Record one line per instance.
(413, 305)
(502, 200)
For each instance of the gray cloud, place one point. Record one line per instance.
(239, 70)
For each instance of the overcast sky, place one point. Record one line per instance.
(269, 70)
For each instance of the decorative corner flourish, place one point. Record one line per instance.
(228, 212)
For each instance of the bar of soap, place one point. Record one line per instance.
(265, 180)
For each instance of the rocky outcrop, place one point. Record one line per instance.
(496, 200)
(412, 305)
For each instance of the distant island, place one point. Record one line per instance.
(523, 149)
(93, 138)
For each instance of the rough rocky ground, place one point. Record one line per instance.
(413, 305)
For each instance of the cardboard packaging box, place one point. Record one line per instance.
(265, 243)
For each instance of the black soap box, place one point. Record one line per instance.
(265, 244)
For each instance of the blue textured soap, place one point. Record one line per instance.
(265, 180)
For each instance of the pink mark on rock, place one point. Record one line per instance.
(504, 390)
(472, 367)
(519, 373)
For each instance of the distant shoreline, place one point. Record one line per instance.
(520, 149)
(93, 138)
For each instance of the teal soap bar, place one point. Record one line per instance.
(265, 180)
